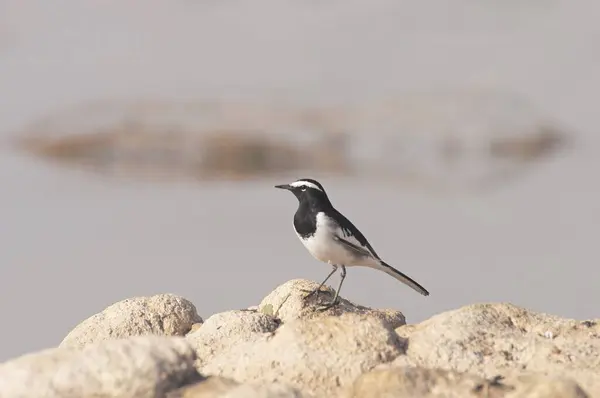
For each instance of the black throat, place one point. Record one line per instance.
(305, 219)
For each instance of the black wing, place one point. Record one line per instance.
(349, 231)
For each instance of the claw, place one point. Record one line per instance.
(328, 306)
(312, 293)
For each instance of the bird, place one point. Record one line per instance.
(331, 238)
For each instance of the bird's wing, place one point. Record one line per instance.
(359, 250)
(351, 237)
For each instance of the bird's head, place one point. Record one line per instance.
(306, 190)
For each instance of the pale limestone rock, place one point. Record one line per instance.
(287, 303)
(492, 339)
(540, 386)
(421, 382)
(317, 355)
(194, 327)
(227, 330)
(141, 366)
(416, 382)
(287, 348)
(163, 314)
(220, 387)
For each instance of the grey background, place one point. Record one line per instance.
(73, 243)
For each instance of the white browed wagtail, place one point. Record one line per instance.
(332, 238)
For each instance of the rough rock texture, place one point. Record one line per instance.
(492, 339)
(142, 366)
(163, 314)
(428, 383)
(287, 347)
(287, 303)
(318, 355)
(220, 387)
(227, 330)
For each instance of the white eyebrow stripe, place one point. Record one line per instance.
(307, 184)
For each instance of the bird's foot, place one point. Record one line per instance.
(328, 306)
(314, 292)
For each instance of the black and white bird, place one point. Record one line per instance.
(332, 238)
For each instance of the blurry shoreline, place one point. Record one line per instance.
(431, 140)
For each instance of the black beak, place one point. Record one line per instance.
(284, 186)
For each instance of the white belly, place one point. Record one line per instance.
(323, 247)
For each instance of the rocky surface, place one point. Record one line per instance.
(424, 382)
(163, 314)
(140, 366)
(491, 339)
(287, 303)
(318, 355)
(224, 332)
(287, 347)
(215, 386)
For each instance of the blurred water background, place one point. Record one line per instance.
(141, 142)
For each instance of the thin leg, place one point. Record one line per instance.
(335, 300)
(322, 283)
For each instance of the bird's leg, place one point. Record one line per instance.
(335, 300)
(322, 283)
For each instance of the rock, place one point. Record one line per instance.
(141, 366)
(318, 355)
(287, 303)
(225, 331)
(492, 339)
(415, 381)
(429, 383)
(540, 386)
(286, 347)
(195, 327)
(216, 387)
(212, 386)
(163, 314)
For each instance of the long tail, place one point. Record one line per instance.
(388, 269)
